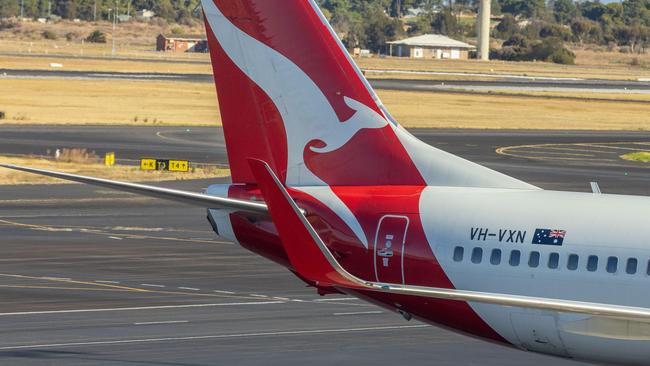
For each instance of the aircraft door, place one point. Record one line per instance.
(388, 248)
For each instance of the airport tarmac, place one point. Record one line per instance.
(90, 276)
(549, 159)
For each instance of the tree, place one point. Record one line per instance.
(552, 50)
(636, 12)
(564, 11)
(9, 8)
(165, 9)
(555, 31)
(634, 36)
(525, 8)
(593, 10)
(584, 29)
(380, 29)
(507, 27)
(400, 7)
(66, 9)
(445, 23)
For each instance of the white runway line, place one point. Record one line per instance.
(115, 238)
(163, 322)
(189, 288)
(256, 295)
(151, 285)
(360, 313)
(223, 292)
(496, 75)
(161, 307)
(107, 281)
(219, 336)
(336, 299)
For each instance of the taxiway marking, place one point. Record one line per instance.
(216, 336)
(336, 299)
(360, 313)
(163, 322)
(137, 308)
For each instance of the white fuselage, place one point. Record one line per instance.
(614, 229)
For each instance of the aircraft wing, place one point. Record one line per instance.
(186, 197)
(311, 258)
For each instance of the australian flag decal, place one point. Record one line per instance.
(549, 237)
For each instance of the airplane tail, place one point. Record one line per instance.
(290, 94)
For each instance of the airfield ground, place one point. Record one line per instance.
(72, 100)
(90, 276)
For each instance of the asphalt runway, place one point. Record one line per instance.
(550, 167)
(90, 276)
(501, 84)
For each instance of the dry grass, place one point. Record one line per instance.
(586, 70)
(54, 101)
(136, 39)
(78, 156)
(43, 63)
(58, 101)
(117, 172)
(599, 57)
(601, 66)
(486, 111)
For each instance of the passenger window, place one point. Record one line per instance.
(495, 258)
(612, 264)
(458, 254)
(647, 271)
(477, 255)
(572, 263)
(515, 257)
(553, 260)
(533, 260)
(630, 268)
(592, 263)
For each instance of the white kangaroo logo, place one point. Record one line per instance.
(305, 111)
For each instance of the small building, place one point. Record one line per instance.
(434, 46)
(144, 14)
(187, 43)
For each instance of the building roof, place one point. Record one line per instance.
(432, 40)
(185, 37)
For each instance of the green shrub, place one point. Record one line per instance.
(96, 37)
(518, 48)
(48, 34)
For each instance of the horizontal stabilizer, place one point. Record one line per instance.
(311, 258)
(189, 198)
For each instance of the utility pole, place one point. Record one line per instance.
(95, 12)
(22, 9)
(484, 30)
(114, 24)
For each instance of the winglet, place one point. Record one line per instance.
(307, 253)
